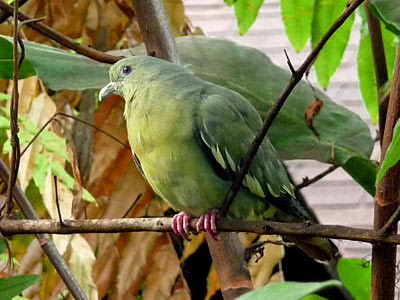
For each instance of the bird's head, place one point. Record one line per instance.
(121, 73)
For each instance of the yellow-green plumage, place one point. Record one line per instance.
(190, 137)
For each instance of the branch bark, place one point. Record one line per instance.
(163, 224)
(387, 201)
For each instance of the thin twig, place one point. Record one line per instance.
(258, 248)
(15, 150)
(307, 181)
(57, 202)
(54, 117)
(132, 205)
(62, 39)
(292, 69)
(391, 222)
(274, 110)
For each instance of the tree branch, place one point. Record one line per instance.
(386, 203)
(307, 181)
(274, 110)
(163, 224)
(62, 39)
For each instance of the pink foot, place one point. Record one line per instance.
(208, 223)
(180, 225)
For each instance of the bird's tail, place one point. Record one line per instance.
(321, 249)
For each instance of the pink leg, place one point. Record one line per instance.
(208, 223)
(180, 224)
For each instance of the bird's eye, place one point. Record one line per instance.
(126, 70)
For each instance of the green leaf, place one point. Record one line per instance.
(363, 171)
(366, 69)
(297, 17)
(314, 297)
(7, 63)
(355, 274)
(63, 175)
(246, 13)
(230, 2)
(325, 14)
(4, 123)
(4, 257)
(12, 286)
(40, 171)
(389, 12)
(5, 97)
(392, 154)
(19, 298)
(288, 290)
(87, 196)
(68, 69)
(2, 245)
(54, 144)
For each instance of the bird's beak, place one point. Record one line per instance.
(108, 90)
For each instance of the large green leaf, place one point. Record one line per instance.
(366, 69)
(288, 290)
(61, 69)
(246, 12)
(12, 286)
(297, 17)
(389, 12)
(392, 154)
(252, 74)
(355, 274)
(7, 62)
(325, 13)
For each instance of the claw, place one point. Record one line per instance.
(180, 225)
(208, 223)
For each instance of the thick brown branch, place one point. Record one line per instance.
(62, 39)
(274, 110)
(163, 224)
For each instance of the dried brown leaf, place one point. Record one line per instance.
(164, 272)
(212, 283)
(311, 111)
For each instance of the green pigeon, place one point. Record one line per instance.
(189, 136)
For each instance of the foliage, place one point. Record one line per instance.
(392, 154)
(246, 12)
(366, 70)
(355, 273)
(389, 12)
(6, 62)
(297, 16)
(12, 286)
(54, 149)
(288, 290)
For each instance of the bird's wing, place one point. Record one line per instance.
(226, 126)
